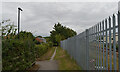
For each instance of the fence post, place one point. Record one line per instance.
(103, 46)
(87, 48)
(114, 42)
(106, 44)
(110, 48)
(119, 39)
(119, 36)
(96, 48)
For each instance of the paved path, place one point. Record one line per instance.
(48, 64)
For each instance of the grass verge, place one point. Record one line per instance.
(64, 60)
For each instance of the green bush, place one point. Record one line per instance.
(41, 49)
(17, 54)
(50, 44)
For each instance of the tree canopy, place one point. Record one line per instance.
(60, 32)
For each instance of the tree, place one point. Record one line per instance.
(58, 38)
(60, 32)
(25, 35)
(39, 36)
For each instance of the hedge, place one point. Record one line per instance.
(20, 54)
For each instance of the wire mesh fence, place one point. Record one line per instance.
(97, 48)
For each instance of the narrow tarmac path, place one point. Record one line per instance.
(48, 64)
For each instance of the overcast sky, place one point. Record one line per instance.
(40, 17)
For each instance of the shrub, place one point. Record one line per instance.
(50, 44)
(40, 49)
(17, 54)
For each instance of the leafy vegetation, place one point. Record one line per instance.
(20, 53)
(60, 33)
(47, 38)
(47, 55)
(40, 49)
(17, 54)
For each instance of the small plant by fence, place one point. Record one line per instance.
(97, 48)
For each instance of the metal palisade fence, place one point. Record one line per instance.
(98, 47)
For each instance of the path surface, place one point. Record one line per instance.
(48, 64)
(53, 54)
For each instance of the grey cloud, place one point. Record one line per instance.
(40, 17)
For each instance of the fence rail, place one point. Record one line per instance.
(98, 47)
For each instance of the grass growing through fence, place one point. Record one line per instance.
(109, 61)
(112, 62)
(117, 65)
(64, 60)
